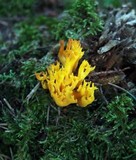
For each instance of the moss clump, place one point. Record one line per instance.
(16, 7)
(43, 132)
(79, 21)
(20, 59)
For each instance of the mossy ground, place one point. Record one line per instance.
(37, 129)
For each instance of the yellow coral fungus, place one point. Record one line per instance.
(65, 87)
(71, 55)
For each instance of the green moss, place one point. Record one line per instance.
(16, 7)
(26, 33)
(80, 21)
(22, 59)
(42, 133)
(107, 3)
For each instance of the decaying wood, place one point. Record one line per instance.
(116, 49)
(106, 77)
(120, 32)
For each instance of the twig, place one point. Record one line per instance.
(101, 91)
(29, 96)
(7, 103)
(108, 72)
(11, 153)
(48, 113)
(114, 85)
(58, 117)
(4, 23)
(3, 125)
(11, 110)
(14, 18)
(3, 157)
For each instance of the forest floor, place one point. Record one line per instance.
(32, 126)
